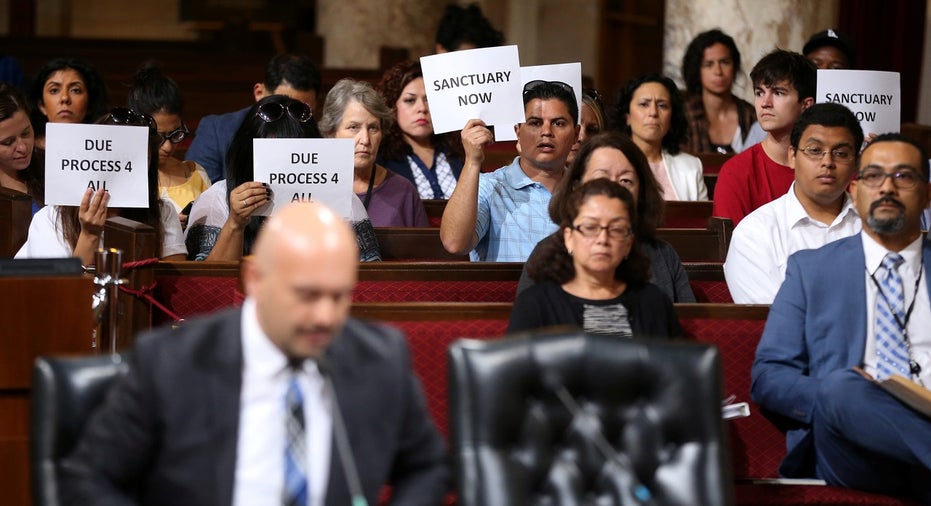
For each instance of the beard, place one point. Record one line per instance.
(886, 225)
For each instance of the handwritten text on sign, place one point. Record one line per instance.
(305, 170)
(476, 83)
(110, 157)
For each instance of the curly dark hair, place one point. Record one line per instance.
(554, 263)
(691, 61)
(393, 146)
(466, 24)
(650, 203)
(96, 91)
(678, 125)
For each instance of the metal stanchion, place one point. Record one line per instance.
(106, 299)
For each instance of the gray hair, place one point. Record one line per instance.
(342, 93)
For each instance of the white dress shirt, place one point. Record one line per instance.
(762, 242)
(261, 443)
(918, 329)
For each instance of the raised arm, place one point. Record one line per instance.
(92, 215)
(457, 228)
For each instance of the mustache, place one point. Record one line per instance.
(886, 200)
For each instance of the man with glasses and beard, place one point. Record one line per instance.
(850, 311)
(502, 215)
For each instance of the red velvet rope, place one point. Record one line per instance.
(128, 266)
(143, 293)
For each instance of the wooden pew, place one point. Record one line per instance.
(707, 244)
(687, 213)
(15, 216)
(435, 208)
(711, 162)
(137, 241)
(41, 316)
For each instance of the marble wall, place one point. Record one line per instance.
(757, 26)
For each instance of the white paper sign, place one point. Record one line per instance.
(476, 83)
(873, 96)
(569, 73)
(112, 157)
(305, 170)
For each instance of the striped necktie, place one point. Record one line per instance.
(891, 348)
(295, 452)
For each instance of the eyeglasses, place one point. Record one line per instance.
(902, 179)
(532, 85)
(127, 116)
(274, 111)
(175, 136)
(816, 153)
(591, 231)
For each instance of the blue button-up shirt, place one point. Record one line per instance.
(512, 215)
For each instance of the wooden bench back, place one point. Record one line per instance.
(15, 216)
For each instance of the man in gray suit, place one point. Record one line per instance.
(243, 407)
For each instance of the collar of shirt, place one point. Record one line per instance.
(875, 252)
(797, 215)
(260, 355)
(516, 177)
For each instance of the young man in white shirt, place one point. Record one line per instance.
(816, 210)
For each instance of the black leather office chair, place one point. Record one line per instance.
(571, 419)
(64, 393)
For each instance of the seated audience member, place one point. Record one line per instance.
(649, 109)
(591, 120)
(292, 75)
(223, 224)
(157, 95)
(784, 86)
(241, 407)
(77, 231)
(718, 121)
(410, 148)
(21, 164)
(613, 156)
(815, 211)
(66, 90)
(829, 49)
(465, 27)
(353, 110)
(859, 302)
(500, 216)
(594, 275)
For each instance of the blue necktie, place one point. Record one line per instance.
(295, 452)
(891, 349)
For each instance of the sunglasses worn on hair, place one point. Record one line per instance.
(126, 116)
(175, 136)
(532, 85)
(274, 111)
(594, 95)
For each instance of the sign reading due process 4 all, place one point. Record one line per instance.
(110, 157)
(305, 170)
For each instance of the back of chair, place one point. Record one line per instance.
(65, 392)
(517, 438)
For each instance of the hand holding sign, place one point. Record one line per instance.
(92, 213)
(246, 199)
(475, 136)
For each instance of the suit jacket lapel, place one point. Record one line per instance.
(223, 389)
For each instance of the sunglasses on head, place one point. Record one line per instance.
(532, 85)
(175, 136)
(274, 111)
(594, 95)
(127, 116)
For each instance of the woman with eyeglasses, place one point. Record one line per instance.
(592, 118)
(155, 94)
(613, 156)
(594, 275)
(410, 148)
(649, 109)
(66, 90)
(21, 163)
(718, 121)
(223, 224)
(354, 110)
(66, 231)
